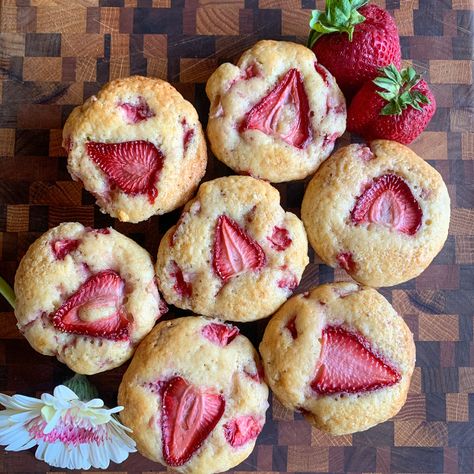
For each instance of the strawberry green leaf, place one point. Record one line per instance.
(340, 16)
(396, 88)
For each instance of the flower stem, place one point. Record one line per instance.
(7, 292)
(81, 386)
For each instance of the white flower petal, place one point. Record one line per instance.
(52, 453)
(52, 423)
(39, 454)
(95, 403)
(64, 393)
(22, 417)
(21, 402)
(18, 439)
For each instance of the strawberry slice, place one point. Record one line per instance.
(347, 364)
(181, 286)
(220, 334)
(280, 239)
(135, 113)
(258, 374)
(346, 261)
(289, 282)
(188, 417)
(95, 309)
(134, 167)
(240, 431)
(63, 247)
(389, 201)
(271, 114)
(234, 251)
(188, 134)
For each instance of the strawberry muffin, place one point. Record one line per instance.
(137, 146)
(87, 296)
(277, 114)
(378, 211)
(234, 253)
(341, 355)
(194, 396)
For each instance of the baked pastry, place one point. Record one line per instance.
(378, 211)
(137, 146)
(194, 396)
(234, 253)
(277, 114)
(341, 355)
(87, 296)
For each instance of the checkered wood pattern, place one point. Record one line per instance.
(55, 54)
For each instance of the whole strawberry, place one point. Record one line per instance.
(353, 41)
(395, 106)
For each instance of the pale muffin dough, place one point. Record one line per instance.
(172, 126)
(290, 363)
(381, 256)
(178, 348)
(44, 281)
(255, 206)
(234, 90)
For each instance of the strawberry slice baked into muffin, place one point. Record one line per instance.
(341, 355)
(277, 114)
(378, 211)
(137, 146)
(194, 396)
(87, 296)
(234, 253)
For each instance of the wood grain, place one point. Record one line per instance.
(54, 54)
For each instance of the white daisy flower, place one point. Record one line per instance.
(69, 433)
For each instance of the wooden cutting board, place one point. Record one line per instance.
(55, 54)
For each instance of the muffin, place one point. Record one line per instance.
(194, 396)
(378, 211)
(234, 253)
(137, 146)
(341, 355)
(87, 296)
(277, 114)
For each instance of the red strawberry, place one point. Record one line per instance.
(181, 286)
(95, 309)
(353, 41)
(162, 307)
(265, 115)
(63, 247)
(135, 113)
(395, 106)
(280, 239)
(240, 431)
(388, 201)
(291, 326)
(251, 71)
(134, 167)
(289, 283)
(234, 251)
(347, 364)
(220, 334)
(256, 375)
(346, 261)
(188, 134)
(188, 417)
(157, 387)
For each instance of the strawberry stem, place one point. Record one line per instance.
(7, 292)
(340, 16)
(397, 90)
